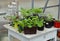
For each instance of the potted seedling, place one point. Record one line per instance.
(25, 12)
(36, 11)
(30, 26)
(49, 22)
(40, 24)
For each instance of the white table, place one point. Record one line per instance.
(40, 36)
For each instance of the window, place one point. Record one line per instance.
(53, 11)
(25, 3)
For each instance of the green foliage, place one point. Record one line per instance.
(25, 12)
(36, 10)
(27, 23)
(21, 23)
(40, 23)
(31, 21)
(28, 12)
(49, 17)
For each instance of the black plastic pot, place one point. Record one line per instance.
(35, 14)
(49, 24)
(41, 28)
(52, 23)
(28, 30)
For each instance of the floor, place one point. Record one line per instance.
(4, 36)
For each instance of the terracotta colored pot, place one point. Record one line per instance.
(28, 30)
(58, 33)
(57, 24)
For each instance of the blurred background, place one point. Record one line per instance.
(52, 8)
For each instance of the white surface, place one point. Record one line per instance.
(40, 36)
(30, 36)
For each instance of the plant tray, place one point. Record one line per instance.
(32, 30)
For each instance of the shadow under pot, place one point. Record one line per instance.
(28, 30)
(49, 24)
(41, 28)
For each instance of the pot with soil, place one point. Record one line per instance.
(49, 21)
(58, 33)
(40, 24)
(41, 28)
(28, 30)
(48, 24)
(30, 25)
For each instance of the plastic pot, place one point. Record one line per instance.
(28, 30)
(58, 33)
(57, 24)
(49, 24)
(41, 28)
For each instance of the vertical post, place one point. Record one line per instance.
(9, 36)
(32, 3)
(45, 6)
(55, 36)
(59, 10)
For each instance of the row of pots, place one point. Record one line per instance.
(48, 24)
(33, 30)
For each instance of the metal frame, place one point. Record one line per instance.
(59, 10)
(45, 7)
(32, 3)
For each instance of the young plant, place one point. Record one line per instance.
(49, 17)
(30, 25)
(37, 10)
(25, 12)
(34, 20)
(20, 26)
(27, 23)
(40, 23)
(49, 22)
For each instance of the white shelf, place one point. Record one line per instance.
(58, 28)
(46, 30)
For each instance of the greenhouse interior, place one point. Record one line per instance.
(29, 20)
